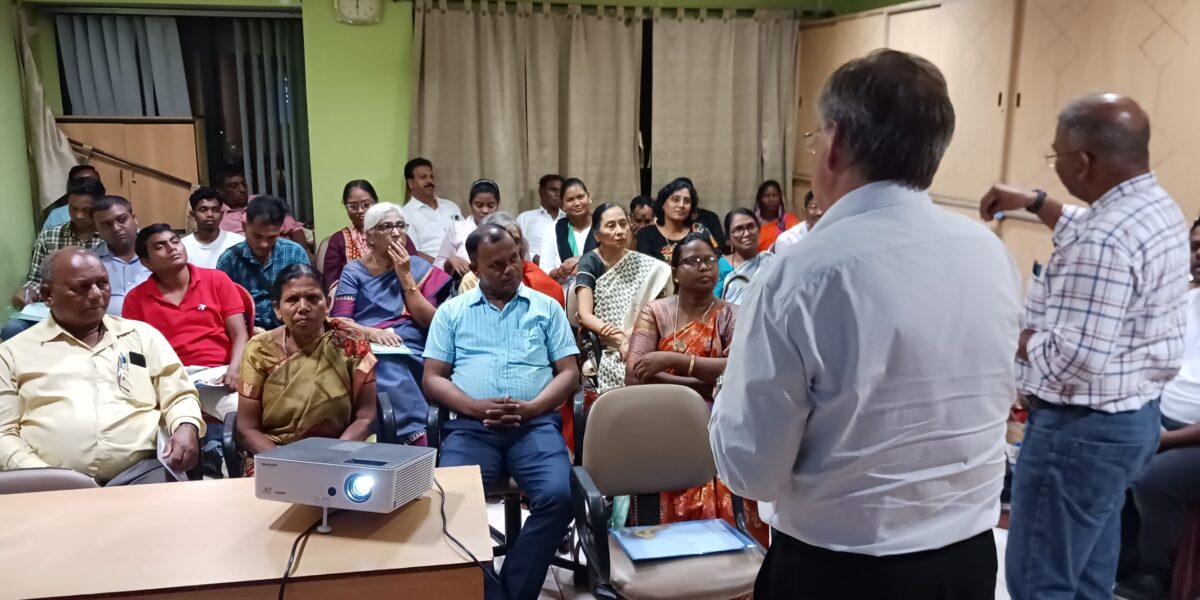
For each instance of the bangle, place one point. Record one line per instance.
(691, 366)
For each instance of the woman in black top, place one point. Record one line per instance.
(675, 211)
(574, 233)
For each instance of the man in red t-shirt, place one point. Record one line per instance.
(200, 311)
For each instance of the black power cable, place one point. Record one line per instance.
(293, 555)
(490, 573)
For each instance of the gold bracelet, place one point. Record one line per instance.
(691, 366)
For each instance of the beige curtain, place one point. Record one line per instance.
(51, 152)
(723, 102)
(514, 92)
(469, 116)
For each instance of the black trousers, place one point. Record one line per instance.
(794, 570)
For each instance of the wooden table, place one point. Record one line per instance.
(214, 539)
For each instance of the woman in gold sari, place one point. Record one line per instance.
(684, 340)
(310, 378)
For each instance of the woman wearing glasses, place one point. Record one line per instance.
(684, 340)
(746, 260)
(349, 244)
(391, 295)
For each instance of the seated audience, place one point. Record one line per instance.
(88, 391)
(506, 403)
(311, 377)
(235, 196)
(676, 210)
(613, 285)
(532, 276)
(812, 214)
(772, 217)
(58, 213)
(429, 216)
(199, 310)
(256, 262)
(538, 224)
(641, 214)
(684, 340)
(483, 200)
(391, 296)
(118, 227)
(350, 244)
(209, 242)
(79, 231)
(747, 258)
(573, 235)
(1169, 490)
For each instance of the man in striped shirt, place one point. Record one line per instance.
(502, 359)
(1103, 334)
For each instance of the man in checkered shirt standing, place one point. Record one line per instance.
(1103, 335)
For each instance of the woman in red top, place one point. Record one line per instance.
(769, 207)
(533, 276)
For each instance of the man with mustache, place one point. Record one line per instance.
(88, 391)
(429, 217)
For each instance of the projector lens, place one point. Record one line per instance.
(359, 487)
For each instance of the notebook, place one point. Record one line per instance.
(380, 349)
(675, 540)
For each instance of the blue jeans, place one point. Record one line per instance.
(1068, 491)
(535, 455)
(13, 327)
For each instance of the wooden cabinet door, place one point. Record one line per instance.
(971, 43)
(170, 148)
(109, 137)
(823, 48)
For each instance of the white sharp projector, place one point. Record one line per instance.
(342, 474)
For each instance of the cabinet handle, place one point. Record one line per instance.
(1018, 99)
(1000, 99)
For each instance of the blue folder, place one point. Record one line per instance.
(676, 540)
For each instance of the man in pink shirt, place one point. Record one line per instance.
(235, 195)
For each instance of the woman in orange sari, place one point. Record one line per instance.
(684, 340)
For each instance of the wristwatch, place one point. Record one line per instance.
(1037, 205)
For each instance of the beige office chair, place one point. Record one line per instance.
(644, 440)
(48, 479)
(322, 250)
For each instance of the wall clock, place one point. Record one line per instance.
(358, 12)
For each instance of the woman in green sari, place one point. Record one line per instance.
(313, 377)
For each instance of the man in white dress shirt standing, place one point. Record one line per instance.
(538, 224)
(871, 370)
(429, 217)
(1103, 335)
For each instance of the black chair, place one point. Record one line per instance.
(644, 440)
(233, 460)
(510, 494)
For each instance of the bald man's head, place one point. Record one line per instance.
(75, 285)
(1110, 127)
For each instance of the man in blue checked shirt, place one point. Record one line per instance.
(1103, 335)
(501, 358)
(255, 262)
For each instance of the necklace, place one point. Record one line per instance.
(677, 344)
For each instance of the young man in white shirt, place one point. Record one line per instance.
(871, 371)
(538, 224)
(812, 214)
(429, 217)
(209, 241)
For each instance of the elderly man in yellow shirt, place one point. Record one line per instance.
(88, 391)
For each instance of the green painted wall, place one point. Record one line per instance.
(358, 105)
(16, 203)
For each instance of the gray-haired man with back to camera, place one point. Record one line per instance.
(871, 373)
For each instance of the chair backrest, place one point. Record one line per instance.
(572, 307)
(322, 248)
(43, 480)
(248, 304)
(646, 439)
